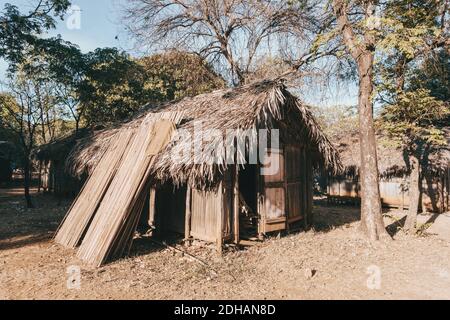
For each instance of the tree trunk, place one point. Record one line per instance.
(77, 126)
(371, 215)
(40, 177)
(362, 51)
(27, 182)
(414, 194)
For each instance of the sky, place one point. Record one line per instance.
(97, 23)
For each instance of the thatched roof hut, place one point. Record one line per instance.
(206, 196)
(392, 161)
(258, 105)
(393, 165)
(60, 148)
(51, 159)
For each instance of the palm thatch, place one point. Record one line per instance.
(266, 104)
(60, 148)
(392, 160)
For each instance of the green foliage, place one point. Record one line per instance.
(175, 74)
(412, 75)
(407, 27)
(434, 75)
(413, 119)
(114, 85)
(21, 31)
(9, 113)
(337, 122)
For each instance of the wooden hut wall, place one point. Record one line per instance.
(210, 213)
(394, 193)
(435, 193)
(343, 188)
(308, 187)
(44, 175)
(55, 179)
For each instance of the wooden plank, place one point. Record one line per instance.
(274, 203)
(205, 207)
(219, 210)
(309, 189)
(83, 208)
(236, 203)
(123, 198)
(287, 208)
(151, 207)
(304, 188)
(188, 218)
(279, 175)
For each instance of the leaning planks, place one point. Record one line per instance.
(84, 207)
(115, 218)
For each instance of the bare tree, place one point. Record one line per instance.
(234, 33)
(22, 115)
(360, 43)
(68, 100)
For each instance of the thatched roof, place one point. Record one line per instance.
(392, 162)
(60, 148)
(258, 105)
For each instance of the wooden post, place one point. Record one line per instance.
(260, 202)
(151, 207)
(447, 189)
(442, 194)
(236, 203)
(40, 177)
(304, 188)
(285, 151)
(220, 210)
(310, 219)
(188, 217)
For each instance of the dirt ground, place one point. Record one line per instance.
(331, 262)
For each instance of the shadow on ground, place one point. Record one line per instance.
(20, 226)
(327, 218)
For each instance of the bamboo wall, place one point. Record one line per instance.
(210, 214)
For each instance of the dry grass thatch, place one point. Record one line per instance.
(60, 148)
(392, 161)
(259, 105)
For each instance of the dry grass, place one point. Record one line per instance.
(33, 267)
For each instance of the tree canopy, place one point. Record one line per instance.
(21, 31)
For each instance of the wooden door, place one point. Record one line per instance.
(272, 199)
(294, 183)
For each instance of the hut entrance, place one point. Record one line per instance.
(165, 211)
(248, 208)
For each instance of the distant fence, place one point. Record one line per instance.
(394, 193)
